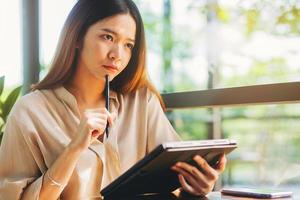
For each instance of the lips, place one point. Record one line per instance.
(111, 68)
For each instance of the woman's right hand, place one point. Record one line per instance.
(92, 125)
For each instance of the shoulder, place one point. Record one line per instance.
(142, 98)
(141, 94)
(29, 103)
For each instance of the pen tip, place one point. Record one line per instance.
(107, 77)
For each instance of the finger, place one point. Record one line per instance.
(83, 121)
(114, 115)
(101, 112)
(95, 133)
(189, 169)
(221, 164)
(96, 110)
(210, 172)
(185, 186)
(95, 121)
(111, 117)
(83, 126)
(104, 114)
(99, 126)
(192, 174)
(97, 115)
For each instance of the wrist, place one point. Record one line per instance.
(74, 148)
(53, 182)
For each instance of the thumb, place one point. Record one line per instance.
(114, 116)
(111, 118)
(83, 122)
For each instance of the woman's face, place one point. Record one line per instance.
(107, 47)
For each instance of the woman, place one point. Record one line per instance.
(54, 146)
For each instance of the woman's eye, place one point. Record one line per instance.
(108, 37)
(130, 46)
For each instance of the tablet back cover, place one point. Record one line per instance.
(152, 174)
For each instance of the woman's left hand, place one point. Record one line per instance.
(198, 182)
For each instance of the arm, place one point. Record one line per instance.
(18, 167)
(59, 174)
(21, 165)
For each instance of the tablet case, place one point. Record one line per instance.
(152, 174)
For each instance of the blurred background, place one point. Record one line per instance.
(199, 45)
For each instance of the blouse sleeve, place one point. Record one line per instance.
(20, 176)
(159, 128)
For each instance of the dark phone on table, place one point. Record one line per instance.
(266, 193)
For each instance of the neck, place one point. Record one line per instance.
(86, 91)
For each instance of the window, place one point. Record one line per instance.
(224, 44)
(10, 40)
(52, 18)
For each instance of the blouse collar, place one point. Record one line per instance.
(68, 98)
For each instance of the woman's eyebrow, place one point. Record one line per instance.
(115, 33)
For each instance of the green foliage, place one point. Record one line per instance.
(252, 17)
(291, 18)
(6, 104)
(191, 124)
(223, 14)
(1, 84)
(261, 72)
(285, 14)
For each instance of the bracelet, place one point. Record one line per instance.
(53, 182)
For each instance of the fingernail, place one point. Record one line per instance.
(95, 132)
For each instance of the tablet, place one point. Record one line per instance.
(266, 193)
(152, 174)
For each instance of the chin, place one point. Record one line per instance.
(113, 76)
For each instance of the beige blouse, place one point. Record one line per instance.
(43, 123)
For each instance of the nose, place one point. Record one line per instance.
(115, 52)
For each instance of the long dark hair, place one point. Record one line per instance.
(84, 14)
